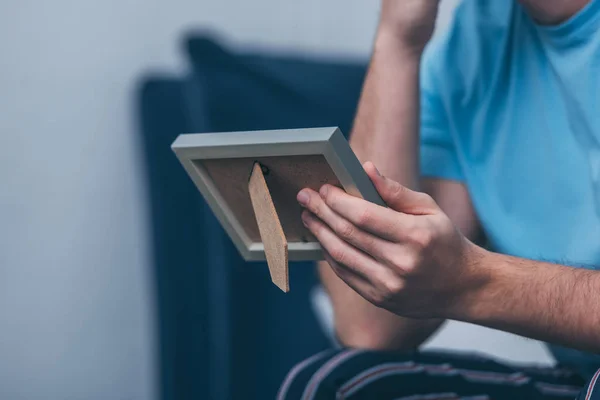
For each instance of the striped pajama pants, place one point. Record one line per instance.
(358, 374)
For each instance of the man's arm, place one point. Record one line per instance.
(386, 129)
(549, 302)
(411, 260)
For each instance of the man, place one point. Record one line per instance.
(507, 119)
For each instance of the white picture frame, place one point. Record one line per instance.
(328, 142)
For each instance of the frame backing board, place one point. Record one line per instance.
(220, 164)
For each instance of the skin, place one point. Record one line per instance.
(552, 12)
(411, 260)
(395, 274)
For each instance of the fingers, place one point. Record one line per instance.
(378, 291)
(382, 222)
(355, 281)
(399, 197)
(378, 248)
(340, 251)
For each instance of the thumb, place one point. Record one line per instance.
(398, 197)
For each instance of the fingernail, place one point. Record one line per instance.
(376, 170)
(302, 197)
(324, 190)
(304, 217)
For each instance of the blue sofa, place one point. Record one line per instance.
(225, 332)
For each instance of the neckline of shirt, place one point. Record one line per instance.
(575, 29)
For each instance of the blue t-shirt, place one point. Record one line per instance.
(512, 109)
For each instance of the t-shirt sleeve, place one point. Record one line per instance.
(438, 151)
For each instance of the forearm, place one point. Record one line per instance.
(386, 132)
(386, 128)
(544, 301)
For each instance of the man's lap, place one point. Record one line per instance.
(358, 374)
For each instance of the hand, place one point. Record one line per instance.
(410, 21)
(408, 258)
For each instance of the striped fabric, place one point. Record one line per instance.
(591, 390)
(358, 374)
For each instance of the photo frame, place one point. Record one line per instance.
(221, 166)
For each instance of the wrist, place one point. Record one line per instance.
(480, 282)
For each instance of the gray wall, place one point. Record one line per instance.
(75, 289)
